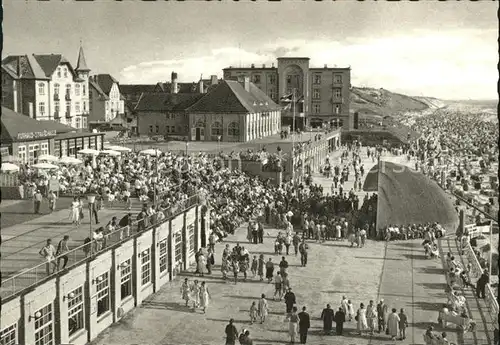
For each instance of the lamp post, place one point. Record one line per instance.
(218, 142)
(187, 145)
(91, 200)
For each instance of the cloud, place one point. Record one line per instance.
(452, 64)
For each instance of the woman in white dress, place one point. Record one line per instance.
(195, 294)
(362, 323)
(202, 263)
(293, 325)
(80, 210)
(204, 297)
(75, 211)
(263, 308)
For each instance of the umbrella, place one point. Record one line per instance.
(44, 166)
(89, 152)
(70, 160)
(118, 148)
(49, 158)
(9, 167)
(151, 152)
(110, 152)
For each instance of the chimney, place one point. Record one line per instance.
(272, 65)
(326, 66)
(263, 65)
(253, 66)
(214, 80)
(201, 86)
(174, 88)
(245, 82)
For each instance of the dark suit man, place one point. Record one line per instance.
(304, 324)
(339, 319)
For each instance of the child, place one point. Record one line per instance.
(253, 312)
(254, 266)
(350, 310)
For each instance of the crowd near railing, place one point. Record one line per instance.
(475, 272)
(32, 276)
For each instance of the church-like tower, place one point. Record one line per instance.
(83, 73)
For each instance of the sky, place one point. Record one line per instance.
(447, 50)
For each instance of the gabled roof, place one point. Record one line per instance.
(160, 101)
(136, 89)
(181, 87)
(81, 64)
(14, 123)
(231, 97)
(98, 89)
(105, 82)
(23, 67)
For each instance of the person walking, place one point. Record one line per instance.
(48, 253)
(204, 297)
(283, 265)
(296, 242)
(260, 267)
(393, 324)
(360, 318)
(185, 291)
(269, 269)
(403, 323)
(231, 333)
(339, 319)
(371, 316)
(195, 295)
(293, 323)
(75, 213)
(481, 284)
(211, 242)
(289, 300)
(37, 200)
(61, 253)
(327, 316)
(304, 325)
(303, 248)
(253, 312)
(52, 198)
(260, 233)
(263, 308)
(382, 314)
(277, 286)
(210, 261)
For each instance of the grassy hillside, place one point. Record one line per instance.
(370, 101)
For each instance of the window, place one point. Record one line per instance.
(77, 90)
(68, 108)
(77, 107)
(167, 129)
(233, 129)
(41, 108)
(288, 79)
(217, 128)
(65, 72)
(56, 89)
(44, 149)
(68, 89)
(76, 316)
(316, 93)
(8, 335)
(317, 79)
(4, 97)
(272, 94)
(57, 148)
(41, 89)
(22, 153)
(178, 246)
(84, 122)
(157, 129)
(337, 93)
(126, 279)
(145, 266)
(57, 106)
(163, 255)
(191, 238)
(78, 122)
(317, 108)
(102, 294)
(256, 79)
(272, 79)
(84, 106)
(150, 128)
(33, 152)
(59, 72)
(337, 78)
(84, 89)
(337, 108)
(44, 326)
(172, 129)
(90, 104)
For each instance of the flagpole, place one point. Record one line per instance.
(293, 135)
(491, 247)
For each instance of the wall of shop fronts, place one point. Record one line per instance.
(76, 305)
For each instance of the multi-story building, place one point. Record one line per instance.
(317, 96)
(47, 87)
(105, 101)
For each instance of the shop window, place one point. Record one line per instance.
(126, 279)
(22, 153)
(44, 149)
(163, 255)
(178, 247)
(146, 267)
(44, 326)
(102, 294)
(33, 152)
(76, 311)
(217, 128)
(8, 335)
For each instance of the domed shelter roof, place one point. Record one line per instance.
(406, 196)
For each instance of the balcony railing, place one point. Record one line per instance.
(33, 276)
(68, 115)
(85, 113)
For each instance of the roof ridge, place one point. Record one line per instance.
(242, 102)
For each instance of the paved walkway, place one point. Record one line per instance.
(21, 243)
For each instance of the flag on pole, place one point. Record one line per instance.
(286, 98)
(288, 106)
